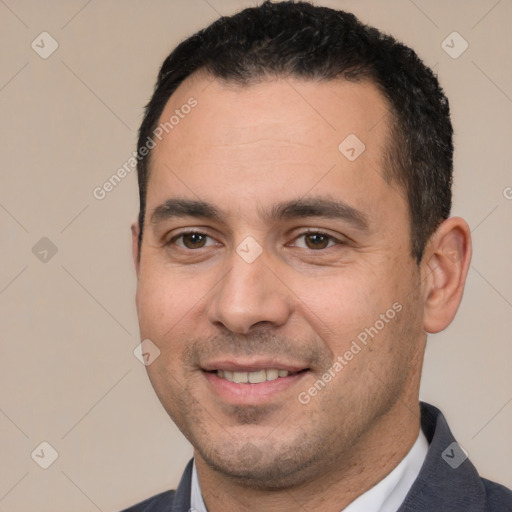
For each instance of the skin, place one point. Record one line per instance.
(243, 150)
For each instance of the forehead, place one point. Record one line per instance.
(314, 113)
(277, 139)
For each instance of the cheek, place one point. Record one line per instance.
(165, 310)
(340, 307)
(163, 302)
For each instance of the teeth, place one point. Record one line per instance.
(240, 377)
(255, 377)
(273, 374)
(252, 377)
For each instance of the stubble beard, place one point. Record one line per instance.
(293, 450)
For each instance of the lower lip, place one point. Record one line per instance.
(251, 394)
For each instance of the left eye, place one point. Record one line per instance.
(315, 241)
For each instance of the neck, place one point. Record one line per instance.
(338, 483)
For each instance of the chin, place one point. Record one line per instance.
(263, 467)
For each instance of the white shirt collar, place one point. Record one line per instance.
(196, 499)
(386, 496)
(390, 492)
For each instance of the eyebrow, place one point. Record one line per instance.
(176, 208)
(321, 207)
(298, 208)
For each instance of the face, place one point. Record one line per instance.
(275, 276)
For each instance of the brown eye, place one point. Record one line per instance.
(316, 240)
(194, 240)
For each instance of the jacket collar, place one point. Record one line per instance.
(443, 484)
(181, 500)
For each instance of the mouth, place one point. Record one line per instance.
(252, 384)
(255, 377)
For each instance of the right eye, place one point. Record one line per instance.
(191, 240)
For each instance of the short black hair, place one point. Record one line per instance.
(300, 40)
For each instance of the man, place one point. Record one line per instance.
(293, 250)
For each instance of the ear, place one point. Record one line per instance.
(444, 270)
(135, 247)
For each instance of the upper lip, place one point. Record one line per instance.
(251, 366)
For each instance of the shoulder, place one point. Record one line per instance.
(499, 498)
(169, 501)
(448, 480)
(159, 503)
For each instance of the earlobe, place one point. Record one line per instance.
(446, 267)
(135, 247)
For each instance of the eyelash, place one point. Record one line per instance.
(331, 238)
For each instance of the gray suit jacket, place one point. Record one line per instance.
(447, 482)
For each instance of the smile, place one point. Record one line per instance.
(252, 383)
(252, 377)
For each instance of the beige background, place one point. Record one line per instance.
(68, 375)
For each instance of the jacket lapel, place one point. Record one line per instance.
(443, 484)
(181, 502)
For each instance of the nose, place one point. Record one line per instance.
(249, 297)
